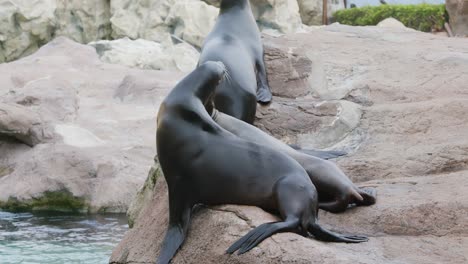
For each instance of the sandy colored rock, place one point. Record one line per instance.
(19, 122)
(391, 23)
(416, 223)
(101, 121)
(156, 20)
(288, 72)
(192, 21)
(147, 54)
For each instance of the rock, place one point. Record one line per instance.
(311, 124)
(83, 21)
(22, 124)
(94, 122)
(27, 25)
(282, 15)
(145, 194)
(416, 223)
(312, 10)
(156, 20)
(391, 23)
(288, 72)
(407, 108)
(192, 21)
(432, 205)
(458, 14)
(146, 54)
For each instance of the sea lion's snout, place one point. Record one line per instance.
(217, 68)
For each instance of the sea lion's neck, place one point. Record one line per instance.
(229, 4)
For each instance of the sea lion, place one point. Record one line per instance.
(336, 191)
(235, 41)
(205, 164)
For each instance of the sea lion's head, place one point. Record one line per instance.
(214, 72)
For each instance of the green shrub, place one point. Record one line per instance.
(422, 17)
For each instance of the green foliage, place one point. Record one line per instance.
(59, 201)
(422, 17)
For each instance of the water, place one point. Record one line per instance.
(360, 3)
(58, 239)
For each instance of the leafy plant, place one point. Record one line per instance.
(422, 17)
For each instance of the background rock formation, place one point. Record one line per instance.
(27, 25)
(74, 128)
(408, 140)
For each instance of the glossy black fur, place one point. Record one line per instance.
(235, 41)
(204, 163)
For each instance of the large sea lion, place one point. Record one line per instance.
(205, 164)
(336, 190)
(235, 41)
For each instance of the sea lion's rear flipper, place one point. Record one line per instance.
(369, 196)
(260, 233)
(324, 235)
(323, 154)
(177, 230)
(336, 206)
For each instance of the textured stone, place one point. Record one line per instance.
(391, 23)
(94, 123)
(27, 25)
(282, 15)
(156, 20)
(146, 54)
(18, 122)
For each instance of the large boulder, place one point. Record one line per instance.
(419, 223)
(27, 25)
(147, 54)
(458, 13)
(156, 20)
(76, 134)
(281, 15)
(312, 10)
(17, 121)
(409, 140)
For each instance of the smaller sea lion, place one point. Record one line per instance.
(336, 191)
(235, 41)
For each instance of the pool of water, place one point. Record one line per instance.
(58, 239)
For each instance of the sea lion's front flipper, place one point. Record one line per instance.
(179, 218)
(264, 95)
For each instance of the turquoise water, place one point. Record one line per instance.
(57, 239)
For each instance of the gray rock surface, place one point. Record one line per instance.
(147, 54)
(312, 10)
(17, 121)
(91, 124)
(458, 14)
(27, 25)
(410, 145)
